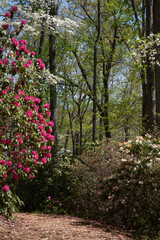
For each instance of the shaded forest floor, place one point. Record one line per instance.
(29, 226)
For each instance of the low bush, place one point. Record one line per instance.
(120, 185)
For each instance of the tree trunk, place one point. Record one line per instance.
(156, 29)
(95, 72)
(52, 67)
(150, 93)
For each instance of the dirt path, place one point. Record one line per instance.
(26, 226)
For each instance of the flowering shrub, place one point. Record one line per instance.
(132, 191)
(118, 185)
(25, 133)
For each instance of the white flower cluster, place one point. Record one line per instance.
(148, 49)
(55, 24)
(51, 79)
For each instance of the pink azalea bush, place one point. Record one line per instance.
(26, 136)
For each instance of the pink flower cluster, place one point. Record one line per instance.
(26, 138)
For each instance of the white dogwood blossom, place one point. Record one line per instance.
(148, 49)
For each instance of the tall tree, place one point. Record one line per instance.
(98, 26)
(156, 30)
(150, 90)
(52, 67)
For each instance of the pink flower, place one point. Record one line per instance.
(42, 66)
(50, 130)
(26, 98)
(15, 43)
(32, 176)
(23, 22)
(8, 141)
(19, 165)
(24, 42)
(15, 176)
(17, 97)
(49, 197)
(6, 61)
(49, 148)
(1, 62)
(35, 157)
(8, 14)
(21, 92)
(6, 26)
(13, 63)
(27, 169)
(44, 160)
(18, 53)
(9, 163)
(39, 61)
(48, 113)
(37, 100)
(12, 170)
(34, 153)
(11, 79)
(49, 155)
(17, 104)
(9, 89)
(27, 65)
(43, 133)
(49, 136)
(5, 188)
(40, 127)
(13, 39)
(3, 162)
(20, 140)
(4, 92)
(23, 48)
(1, 50)
(32, 53)
(43, 148)
(24, 150)
(51, 124)
(29, 62)
(46, 105)
(29, 113)
(15, 9)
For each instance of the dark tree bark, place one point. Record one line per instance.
(95, 71)
(52, 67)
(72, 132)
(150, 92)
(156, 29)
(66, 140)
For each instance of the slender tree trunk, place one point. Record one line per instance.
(66, 140)
(150, 92)
(94, 94)
(144, 105)
(95, 72)
(52, 67)
(72, 132)
(156, 29)
(42, 38)
(143, 77)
